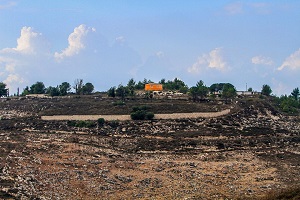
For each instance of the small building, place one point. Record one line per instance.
(153, 87)
(247, 93)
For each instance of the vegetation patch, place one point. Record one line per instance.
(141, 113)
(101, 121)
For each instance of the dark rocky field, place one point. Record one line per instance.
(248, 153)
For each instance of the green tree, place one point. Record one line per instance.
(296, 93)
(184, 89)
(162, 81)
(175, 84)
(228, 91)
(88, 88)
(38, 88)
(131, 86)
(193, 91)
(140, 85)
(289, 104)
(3, 89)
(78, 86)
(266, 90)
(64, 88)
(26, 91)
(111, 92)
(202, 89)
(218, 87)
(53, 91)
(122, 92)
(200, 83)
(250, 89)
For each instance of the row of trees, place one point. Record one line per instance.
(289, 103)
(200, 91)
(61, 90)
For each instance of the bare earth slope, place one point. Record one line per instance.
(250, 151)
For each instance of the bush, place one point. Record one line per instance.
(101, 121)
(81, 124)
(141, 113)
(149, 115)
(114, 123)
(138, 115)
(71, 123)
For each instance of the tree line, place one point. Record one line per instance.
(287, 103)
(63, 89)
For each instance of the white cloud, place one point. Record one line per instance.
(292, 62)
(8, 5)
(260, 7)
(213, 60)
(12, 79)
(234, 8)
(242, 7)
(17, 62)
(76, 43)
(28, 42)
(160, 54)
(120, 39)
(8, 64)
(261, 60)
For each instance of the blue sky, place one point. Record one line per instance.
(108, 42)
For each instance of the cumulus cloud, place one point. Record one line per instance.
(76, 43)
(28, 42)
(291, 62)
(13, 79)
(7, 64)
(213, 60)
(261, 60)
(16, 62)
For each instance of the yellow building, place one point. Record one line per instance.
(153, 87)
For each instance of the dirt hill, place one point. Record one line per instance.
(245, 154)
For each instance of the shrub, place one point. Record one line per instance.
(141, 113)
(81, 124)
(138, 115)
(71, 123)
(101, 121)
(114, 123)
(149, 115)
(89, 124)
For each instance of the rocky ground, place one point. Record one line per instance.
(245, 154)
